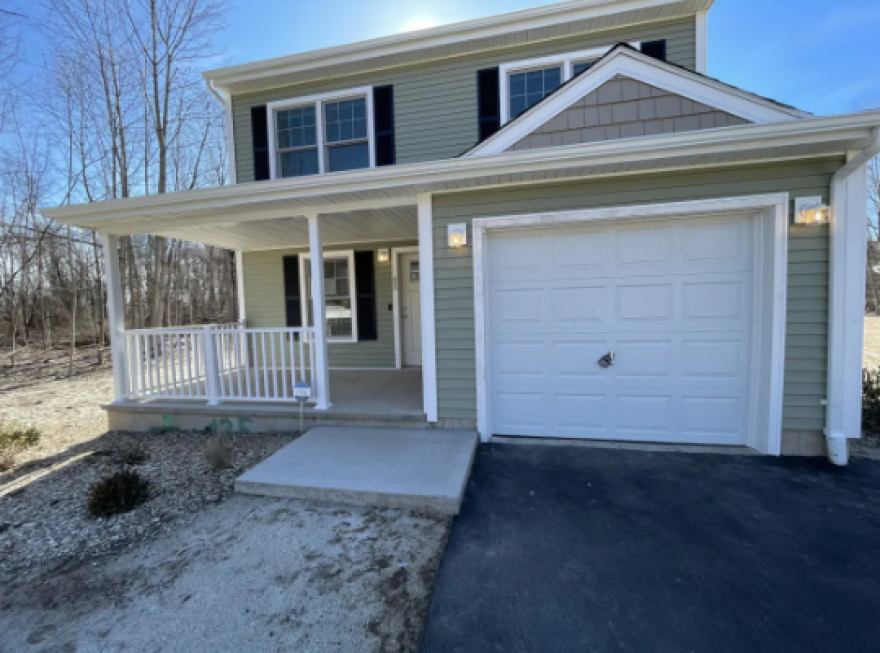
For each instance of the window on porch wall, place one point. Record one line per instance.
(337, 296)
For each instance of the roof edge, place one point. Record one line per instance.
(451, 33)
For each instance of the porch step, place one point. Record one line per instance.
(413, 469)
(247, 418)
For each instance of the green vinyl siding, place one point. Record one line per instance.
(264, 304)
(807, 322)
(435, 105)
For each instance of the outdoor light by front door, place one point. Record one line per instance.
(383, 256)
(457, 234)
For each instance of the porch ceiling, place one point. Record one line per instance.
(398, 223)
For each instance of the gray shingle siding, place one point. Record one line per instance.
(625, 108)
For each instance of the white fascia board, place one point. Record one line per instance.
(444, 35)
(650, 71)
(410, 179)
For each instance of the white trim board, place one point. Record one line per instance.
(768, 358)
(639, 67)
(395, 301)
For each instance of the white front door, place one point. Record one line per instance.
(411, 309)
(673, 301)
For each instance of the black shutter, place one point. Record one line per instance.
(260, 138)
(383, 115)
(292, 305)
(365, 290)
(489, 110)
(656, 49)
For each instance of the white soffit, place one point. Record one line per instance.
(560, 20)
(635, 65)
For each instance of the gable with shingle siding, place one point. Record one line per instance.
(624, 108)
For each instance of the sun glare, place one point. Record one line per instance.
(419, 22)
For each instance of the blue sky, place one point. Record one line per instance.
(819, 55)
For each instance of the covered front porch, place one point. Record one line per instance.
(342, 268)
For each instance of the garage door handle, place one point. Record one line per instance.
(607, 360)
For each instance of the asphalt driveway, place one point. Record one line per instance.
(587, 549)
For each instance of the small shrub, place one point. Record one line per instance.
(14, 438)
(871, 401)
(121, 492)
(131, 452)
(219, 453)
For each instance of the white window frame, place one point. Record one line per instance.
(318, 102)
(565, 60)
(347, 254)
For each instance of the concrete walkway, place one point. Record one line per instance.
(582, 549)
(415, 469)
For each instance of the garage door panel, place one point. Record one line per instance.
(520, 413)
(719, 244)
(576, 359)
(715, 300)
(714, 359)
(645, 414)
(518, 306)
(644, 247)
(572, 306)
(644, 302)
(673, 300)
(579, 250)
(521, 360)
(581, 412)
(640, 358)
(712, 416)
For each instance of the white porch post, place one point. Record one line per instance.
(426, 288)
(319, 313)
(115, 315)
(239, 285)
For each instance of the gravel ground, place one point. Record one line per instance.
(249, 574)
(43, 517)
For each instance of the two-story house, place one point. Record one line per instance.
(549, 223)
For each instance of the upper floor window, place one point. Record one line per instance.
(530, 87)
(331, 132)
(522, 84)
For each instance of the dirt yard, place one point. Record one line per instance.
(194, 568)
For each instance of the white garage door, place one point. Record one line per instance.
(673, 300)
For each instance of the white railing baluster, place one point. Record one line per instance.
(265, 364)
(215, 363)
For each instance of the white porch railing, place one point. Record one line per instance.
(217, 363)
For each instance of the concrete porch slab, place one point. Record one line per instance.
(414, 469)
